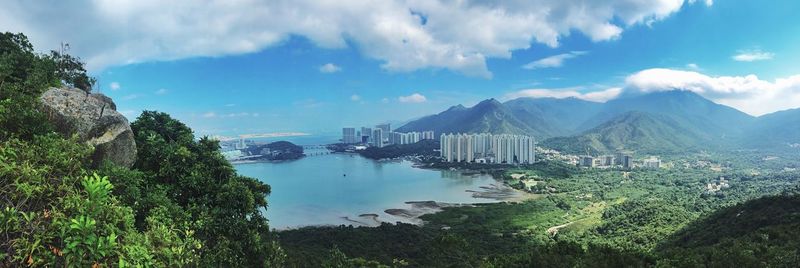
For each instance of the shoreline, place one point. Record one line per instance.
(496, 192)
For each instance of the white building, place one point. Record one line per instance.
(491, 148)
(349, 135)
(377, 137)
(409, 137)
(652, 162)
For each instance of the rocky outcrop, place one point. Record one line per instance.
(94, 119)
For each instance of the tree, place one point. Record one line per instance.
(227, 209)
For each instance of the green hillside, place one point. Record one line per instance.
(685, 106)
(638, 131)
(753, 234)
(776, 130)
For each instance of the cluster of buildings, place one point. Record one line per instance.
(623, 159)
(714, 187)
(488, 148)
(382, 135)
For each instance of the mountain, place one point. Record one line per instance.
(658, 122)
(638, 131)
(778, 129)
(555, 117)
(542, 118)
(489, 116)
(664, 121)
(685, 106)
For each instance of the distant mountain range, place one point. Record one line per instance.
(659, 122)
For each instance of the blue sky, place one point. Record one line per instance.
(237, 68)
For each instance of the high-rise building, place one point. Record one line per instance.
(377, 137)
(409, 137)
(366, 134)
(427, 135)
(385, 127)
(240, 145)
(488, 148)
(627, 161)
(349, 135)
(620, 155)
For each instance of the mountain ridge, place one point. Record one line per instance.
(662, 121)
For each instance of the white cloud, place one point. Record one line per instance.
(385, 100)
(209, 115)
(693, 66)
(596, 96)
(752, 55)
(114, 86)
(161, 91)
(746, 93)
(355, 97)
(708, 2)
(413, 98)
(553, 61)
(329, 68)
(454, 35)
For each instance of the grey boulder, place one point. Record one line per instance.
(94, 119)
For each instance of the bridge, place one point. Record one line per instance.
(315, 146)
(316, 150)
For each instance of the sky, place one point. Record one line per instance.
(242, 67)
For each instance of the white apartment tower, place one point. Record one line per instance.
(490, 148)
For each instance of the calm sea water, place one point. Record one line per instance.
(315, 191)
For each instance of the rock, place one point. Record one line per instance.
(93, 117)
(102, 97)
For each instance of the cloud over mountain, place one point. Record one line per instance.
(747, 93)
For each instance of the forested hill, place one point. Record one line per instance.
(744, 235)
(637, 131)
(176, 203)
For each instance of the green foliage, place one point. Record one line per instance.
(70, 70)
(191, 179)
(184, 206)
